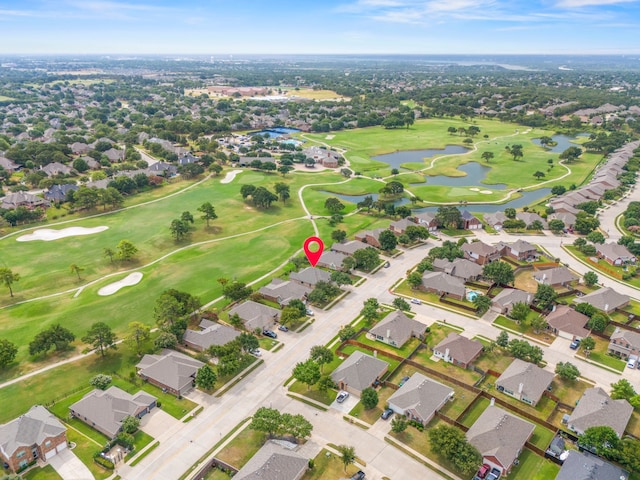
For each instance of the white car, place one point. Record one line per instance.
(342, 396)
(256, 352)
(416, 301)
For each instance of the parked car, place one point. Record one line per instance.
(402, 382)
(270, 333)
(309, 312)
(386, 414)
(482, 472)
(283, 328)
(342, 396)
(387, 264)
(494, 475)
(359, 475)
(632, 362)
(256, 352)
(574, 345)
(416, 301)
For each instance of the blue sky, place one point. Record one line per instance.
(320, 26)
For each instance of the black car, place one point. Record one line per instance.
(283, 328)
(386, 414)
(574, 345)
(359, 475)
(270, 333)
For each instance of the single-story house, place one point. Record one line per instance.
(247, 161)
(529, 217)
(256, 315)
(22, 199)
(36, 435)
(500, 437)
(615, 254)
(187, 159)
(520, 250)
(370, 237)
(524, 381)
(565, 322)
(495, 220)
(349, 248)
(211, 333)
(274, 462)
(114, 155)
(310, 276)
(396, 329)
(163, 169)
(504, 301)
(569, 219)
(419, 398)
(105, 410)
(427, 220)
(79, 148)
(332, 260)
(358, 372)
(596, 409)
(458, 350)
(172, 371)
(58, 193)
(400, 226)
(8, 165)
(605, 299)
(556, 277)
(585, 466)
(481, 253)
(283, 291)
(469, 221)
(442, 283)
(56, 168)
(624, 343)
(461, 268)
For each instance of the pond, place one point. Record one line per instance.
(394, 160)
(564, 142)
(475, 174)
(526, 199)
(359, 198)
(276, 131)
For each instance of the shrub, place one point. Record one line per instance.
(100, 381)
(103, 462)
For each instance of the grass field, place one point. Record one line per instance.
(315, 94)
(42, 473)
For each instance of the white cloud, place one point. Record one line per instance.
(590, 3)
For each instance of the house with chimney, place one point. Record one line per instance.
(524, 381)
(458, 350)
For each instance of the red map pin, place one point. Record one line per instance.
(313, 256)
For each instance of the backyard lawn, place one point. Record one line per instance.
(534, 467)
(479, 406)
(405, 351)
(239, 450)
(328, 465)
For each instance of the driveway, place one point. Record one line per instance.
(347, 405)
(157, 422)
(69, 467)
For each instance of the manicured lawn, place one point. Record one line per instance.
(268, 343)
(174, 406)
(44, 473)
(479, 406)
(328, 465)
(393, 363)
(405, 351)
(524, 326)
(216, 474)
(542, 437)
(372, 415)
(242, 447)
(404, 289)
(568, 391)
(85, 451)
(423, 357)
(599, 355)
(497, 361)
(534, 467)
(313, 393)
(140, 440)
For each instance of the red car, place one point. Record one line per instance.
(484, 469)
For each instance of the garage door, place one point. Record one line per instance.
(61, 447)
(50, 454)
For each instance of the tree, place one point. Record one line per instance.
(590, 279)
(126, 250)
(347, 455)
(130, 424)
(235, 291)
(596, 237)
(208, 212)
(307, 372)
(179, 229)
(109, 252)
(567, 370)
(8, 278)
(101, 337)
(323, 292)
(100, 381)
(603, 440)
(499, 272)
(520, 311)
(585, 223)
(76, 269)
(598, 322)
(399, 424)
(545, 296)
(587, 345)
(622, 389)
(369, 398)
(205, 377)
(295, 425)
(388, 240)
(503, 339)
(482, 304)
(451, 442)
(138, 334)
(510, 212)
(366, 258)
(401, 304)
(284, 169)
(450, 217)
(346, 332)
(487, 156)
(571, 154)
(538, 174)
(340, 278)
(334, 205)
(556, 225)
(558, 190)
(8, 352)
(248, 342)
(515, 151)
(338, 235)
(166, 340)
(56, 335)
(266, 420)
(414, 280)
(282, 189)
(538, 323)
(321, 355)
(247, 190)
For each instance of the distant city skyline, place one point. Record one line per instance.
(320, 27)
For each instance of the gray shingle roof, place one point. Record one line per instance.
(606, 299)
(421, 395)
(255, 315)
(597, 409)
(311, 276)
(584, 466)
(349, 248)
(566, 319)
(534, 380)
(555, 276)
(216, 334)
(273, 462)
(398, 327)
(170, 368)
(359, 370)
(614, 251)
(285, 290)
(480, 248)
(443, 282)
(332, 259)
(632, 338)
(499, 434)
(460, 348)
(31, 428)
(511, 296)
(460, 268)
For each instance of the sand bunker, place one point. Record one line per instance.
(228, 178)
(486, 192)
(330, 137)
(128, 281)
(48, 234)
(474, 189)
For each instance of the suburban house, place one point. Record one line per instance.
(524, 381)
(163, 169)
(326, 158)
(495, 220)
(520, 250)
(349, 248)
(58, 193)
(556, 277)
(247, 161)
(79, 148)
(36, 435)
(172, 371)
(499, 436)
(585, 466)
(332, 260)
(529, 217)
(400, 226)
(605, 299)
(8, 165)
(114, 155)
(569, 219)
(105, 410)
(615, 254)
(211, 333)
(396, 329)
(56, 168)
(427, 220)
(481, 253)
(283, 291)
(419, 398)
(458, 350)
(256, 315)
(461, 268)
(442, 283)
(370, 237)
(565, 322)
(358, 372)
(504, 301)
(624, 343)
(273, 461)
(22, 199)
(469, 221)
(596, 409)
(310, 276)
